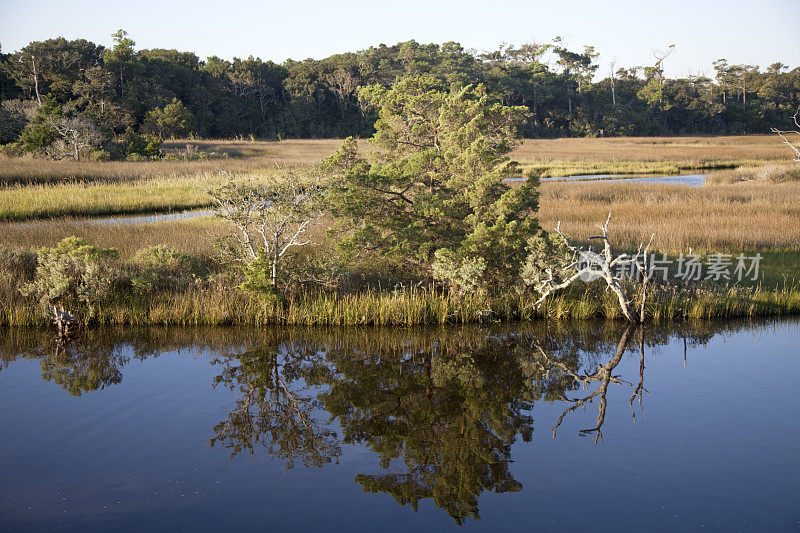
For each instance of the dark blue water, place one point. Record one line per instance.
(400, 429)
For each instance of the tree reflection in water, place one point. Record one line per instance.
(441, 409)
(274, 406)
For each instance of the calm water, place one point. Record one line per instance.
(692, 180)
(577, 426)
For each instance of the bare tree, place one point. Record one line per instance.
(76, 133)
(611, 78)
(271, 217)
(345, 86)
(784, 133)
(35, 76)
(587, 265)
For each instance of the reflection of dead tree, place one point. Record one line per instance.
(640, 387)
(604, 265)
(783, 133)
(604, 376)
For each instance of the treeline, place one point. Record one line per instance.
(118, 91)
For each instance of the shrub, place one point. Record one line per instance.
(160, 268)
(74, 274)
(100, 155)
(22, 264)
(259, 278)
(136, 157)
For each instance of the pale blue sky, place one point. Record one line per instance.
(743, 31)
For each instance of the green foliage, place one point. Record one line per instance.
(121, 87)
(437, 179)
(546, 252)
(40, 133)
(463, 272)
(173, 120)
(73, 274)
(135, 147)
(259, 278)
(161, 268)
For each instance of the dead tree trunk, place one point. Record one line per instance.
(64, 321)
(603, 265)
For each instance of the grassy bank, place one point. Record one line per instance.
(19, 203)
(738, 212)
(226, 306)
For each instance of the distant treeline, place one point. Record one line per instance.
(166, 93)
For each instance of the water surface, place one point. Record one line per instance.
(580, 426)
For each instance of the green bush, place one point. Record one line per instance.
(12, 149)
(100, 155)
(75, 275)
(162, 268)
(259, 279)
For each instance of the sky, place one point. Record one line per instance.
(757, 32)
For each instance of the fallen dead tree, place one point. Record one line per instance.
(587, 265)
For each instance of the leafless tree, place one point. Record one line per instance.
(604, 376)
(35, 76)
(784, 133)
(604, 265)
(611, 78)
(271, 217)
(76, 133)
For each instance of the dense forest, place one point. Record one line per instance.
(59, 96)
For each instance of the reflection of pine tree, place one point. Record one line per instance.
(449, 411)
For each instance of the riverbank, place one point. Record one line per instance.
(221, 305)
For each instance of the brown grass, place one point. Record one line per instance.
(560, 156)
(653, 149)
(243, 156)
(717, 218)
(771, 173)
(194, 236)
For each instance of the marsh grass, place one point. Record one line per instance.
(244, 156)
(226, 306)
(99, 198)
(550, 156)
(717, 218)
(696, 149)
(36, 188)
(19, 203)
(772, 173)
(646, 155)
(739, 217)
